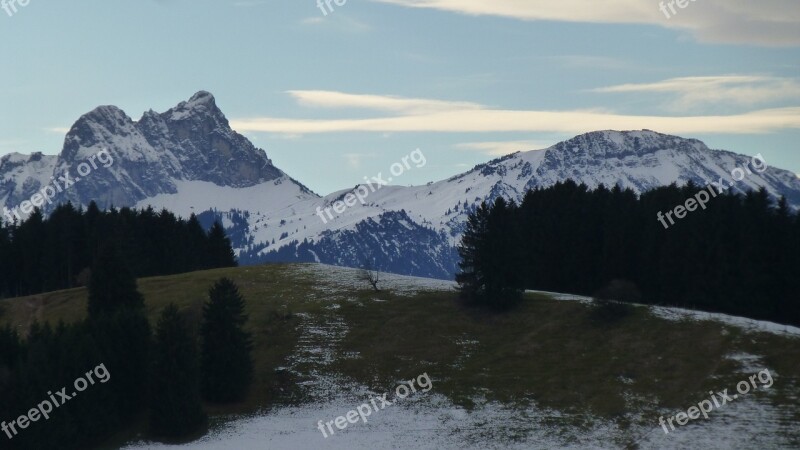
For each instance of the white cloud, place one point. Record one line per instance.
(762, 121)
(501, 148)
(333, 99)
(727, 89)
(424, 115)
(59, 130)
(766, 22)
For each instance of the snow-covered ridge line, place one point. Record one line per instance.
(678, 314)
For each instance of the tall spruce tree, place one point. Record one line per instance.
(227, 365)
(175, 404)
(472, 275)
(121, 330)
(113, 285)
(220, 253)
(503, 284)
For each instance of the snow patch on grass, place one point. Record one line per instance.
(336, 279)
(681, 314)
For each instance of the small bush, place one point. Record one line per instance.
(611, 304)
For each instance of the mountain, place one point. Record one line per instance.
(189, 160)
(190, 142)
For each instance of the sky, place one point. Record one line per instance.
(336, 93)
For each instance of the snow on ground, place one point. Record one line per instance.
(743, 424)
(680, 314)
(337, 279)
(429, 420)
(744, 323)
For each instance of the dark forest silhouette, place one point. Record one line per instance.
(740, 256)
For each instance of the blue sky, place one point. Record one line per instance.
(333, 98)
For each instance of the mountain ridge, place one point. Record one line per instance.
(188, 160)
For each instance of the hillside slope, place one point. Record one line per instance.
(545, 376)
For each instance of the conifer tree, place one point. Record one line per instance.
(226, 360)
(113, 285)
(220, 252)
(175, 405)
(472, 275)
(503, 282)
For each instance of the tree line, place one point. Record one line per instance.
(164, 375)
(740, 255)
(43, 254)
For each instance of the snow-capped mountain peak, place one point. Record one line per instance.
(191, 142)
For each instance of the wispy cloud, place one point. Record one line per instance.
(728, 89)
(313, 21)
(59, 130)
(501, 148)
(334, 99)
(594, 62)
(766, 22)
(425, 115)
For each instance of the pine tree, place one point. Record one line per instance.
(11, 349)
(175, 404)
(124, 343)
(226, 360)
(113, 285)
(219, 248)
(471, 277)
(194, 244)
(502, 261)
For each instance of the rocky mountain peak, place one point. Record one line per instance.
(201, 105)
(192, 141)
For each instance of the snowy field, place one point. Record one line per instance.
(432, 421)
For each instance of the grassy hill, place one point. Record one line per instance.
(316, 329)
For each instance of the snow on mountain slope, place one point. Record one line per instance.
(640, 160)
(393, 222)
(21, 174)
(278, 196)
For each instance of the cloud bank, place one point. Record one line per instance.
(763, 22)
(428, 115)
